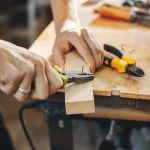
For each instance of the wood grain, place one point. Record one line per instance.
(78, 98)
(135, 39)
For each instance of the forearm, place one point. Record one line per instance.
(64, 10)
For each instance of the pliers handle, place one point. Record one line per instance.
(119, 53)
(121, 63)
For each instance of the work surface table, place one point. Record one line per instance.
(116, 95)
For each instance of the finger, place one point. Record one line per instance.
(59, 58)
(94, 46)
(102, 58)
(61, 47)
(26, 85)
(41, 90)
(54, 79)
(83, 50)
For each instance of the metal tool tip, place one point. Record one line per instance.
(135, 71)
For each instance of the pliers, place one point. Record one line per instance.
(122, 64)
(73, 76)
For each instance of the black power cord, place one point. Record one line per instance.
(27, 106)
(47, 107)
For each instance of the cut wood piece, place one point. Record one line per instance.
(78, 98)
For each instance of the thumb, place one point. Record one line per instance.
(59, 57)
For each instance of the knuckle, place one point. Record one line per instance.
(16, 76)
(85, 31)
(39, 63)
(39, 96)
(30, 70)
(43, 96)
(60, 44)
(74, 33)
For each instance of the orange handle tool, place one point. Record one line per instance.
(116, 12)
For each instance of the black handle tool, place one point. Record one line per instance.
(121, 63)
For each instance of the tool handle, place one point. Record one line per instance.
(118, 52)
(114, 12)
(107, 61)
(116, 63)
(113, 50)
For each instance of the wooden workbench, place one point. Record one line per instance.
(116, 95)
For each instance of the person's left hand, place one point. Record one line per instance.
(71, 34)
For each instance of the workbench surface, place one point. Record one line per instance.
(108, 84)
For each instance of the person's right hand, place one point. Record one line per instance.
(20, 67)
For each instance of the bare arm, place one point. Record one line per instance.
(64, 10)
(20, 67)
(70, 33)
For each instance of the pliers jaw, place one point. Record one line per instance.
(135, 71)
(78, 77)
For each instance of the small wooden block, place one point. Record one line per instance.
(78, 98)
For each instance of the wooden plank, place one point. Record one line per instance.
(78, 98)
(126, 114)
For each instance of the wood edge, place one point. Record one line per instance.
(121, 94)
(102, 93)
(80, 107)
(119, 113)
(135, 96)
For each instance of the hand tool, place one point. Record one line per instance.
(73, 77)
(132, 14)
(108, 142)
(123, 64)
(137, 3)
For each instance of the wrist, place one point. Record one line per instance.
(66, 24)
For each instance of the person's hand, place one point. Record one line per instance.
(20, 67)
(71, 34)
